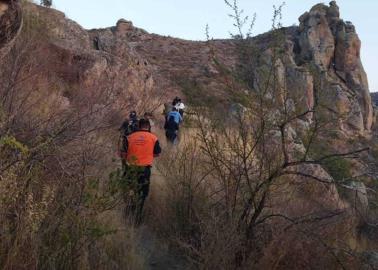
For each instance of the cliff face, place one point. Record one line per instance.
(334, 47)
(323, 42)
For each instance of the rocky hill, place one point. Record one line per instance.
(65, 90)
(322, 40)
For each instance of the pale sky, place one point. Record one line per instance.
(188, 18)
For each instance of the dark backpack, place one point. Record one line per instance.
(171, 124)
(127, 128)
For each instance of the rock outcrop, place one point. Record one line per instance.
(334, 47)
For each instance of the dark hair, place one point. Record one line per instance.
(174, 109)
(144, 124)
(175, 101)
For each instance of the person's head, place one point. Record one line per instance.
(175, 101)
(144, 124)
(174, 109)
(133, 115)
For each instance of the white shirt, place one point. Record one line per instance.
(180, 106)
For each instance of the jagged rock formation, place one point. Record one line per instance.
(334, 47)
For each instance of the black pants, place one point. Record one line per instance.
(143, 187)
(139, 182)
(171, 135)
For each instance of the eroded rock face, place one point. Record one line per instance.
(333, 46)
(316, 40)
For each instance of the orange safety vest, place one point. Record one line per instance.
(141, 146)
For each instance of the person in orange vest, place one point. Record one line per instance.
(141, 147)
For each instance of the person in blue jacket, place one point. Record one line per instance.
(172, 123)
(176, 115)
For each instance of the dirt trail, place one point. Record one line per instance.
(157, 252)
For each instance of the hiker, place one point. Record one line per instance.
(180, 107)
(175, 101)
(171, 126)
(128, 127)
(148, 116)
(141, 148)
(176, 115)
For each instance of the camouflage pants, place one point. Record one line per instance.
(137, 192)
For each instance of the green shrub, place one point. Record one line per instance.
(338, 168)
(13, 144)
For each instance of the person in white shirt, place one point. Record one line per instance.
(180, 106)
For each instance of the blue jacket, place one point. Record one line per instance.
(176, 115)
